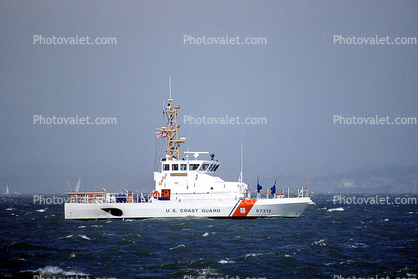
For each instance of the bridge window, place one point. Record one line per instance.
(194, 166)
(183, 167)
(204, 167)
(211, 167)
(166, 167)
(175, 167)
(216, 167)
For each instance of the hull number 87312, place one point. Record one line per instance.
(263, 210)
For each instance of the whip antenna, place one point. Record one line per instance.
(169, 85)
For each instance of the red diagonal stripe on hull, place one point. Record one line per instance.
(243, 208)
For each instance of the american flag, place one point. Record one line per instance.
(161, 134)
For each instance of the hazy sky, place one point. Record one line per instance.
(298, 79)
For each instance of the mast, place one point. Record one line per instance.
(170, 130)
(242, 154)
(307, 192)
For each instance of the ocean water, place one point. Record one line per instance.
(328, 241)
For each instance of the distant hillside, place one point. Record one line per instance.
(390, 179)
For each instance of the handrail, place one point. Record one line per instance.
(99, 197)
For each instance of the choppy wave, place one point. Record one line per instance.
(320, 243)
(335, 209)
(78, 235)
(379, 240)
(180, 246)
(55, 270)
(226, 261)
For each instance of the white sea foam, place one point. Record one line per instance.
(178, 247)
(356, 245)
(55, 270)
(77, 235)
(205, 234)
(335, 209)
(253, 255)
(320, 243)
(84, 236)
(227, 261)
(42, 210)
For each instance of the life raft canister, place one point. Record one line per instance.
(155, 194)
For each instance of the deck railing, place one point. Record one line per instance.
(99, 197)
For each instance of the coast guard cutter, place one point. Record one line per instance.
(186, 187)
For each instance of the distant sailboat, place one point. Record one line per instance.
(7, 190)
(77, 187)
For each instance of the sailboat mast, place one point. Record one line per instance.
(307, 192)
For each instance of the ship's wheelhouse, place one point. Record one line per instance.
(190, 166)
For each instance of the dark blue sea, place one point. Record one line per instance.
(329, 240)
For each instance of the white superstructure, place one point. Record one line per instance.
(185, 187)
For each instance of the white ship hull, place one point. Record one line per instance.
(275, 207)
